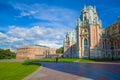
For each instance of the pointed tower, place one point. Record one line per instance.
(69, 45)
(88, 33)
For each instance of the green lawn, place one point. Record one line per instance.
(15, 70)
(85, 60)
(67, 59)
(29, 61)
(97, 60)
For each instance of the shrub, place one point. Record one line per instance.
(6, 54)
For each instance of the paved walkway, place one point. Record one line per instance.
(76, 71)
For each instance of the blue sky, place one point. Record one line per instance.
(45, 22)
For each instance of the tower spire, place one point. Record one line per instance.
(95, 8)
(84, 6)
(84, 3)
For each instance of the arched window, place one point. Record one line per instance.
(85, 41)
(85, 47)
(84, 30)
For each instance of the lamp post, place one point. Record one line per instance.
(105, 47)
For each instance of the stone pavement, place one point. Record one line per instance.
(76, 71)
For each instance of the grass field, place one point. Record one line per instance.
(15, 70)
(29, 61)
(69, 60)
(97, 60)
(59, 60)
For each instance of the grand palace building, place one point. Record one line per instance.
(91, 40)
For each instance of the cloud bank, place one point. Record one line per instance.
(50, 31)
(36, 35)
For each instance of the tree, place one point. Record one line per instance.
(60, 50)
(6, 54)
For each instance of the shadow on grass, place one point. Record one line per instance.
(31, 62)
(104, 60)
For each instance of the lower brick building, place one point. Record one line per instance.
(35, 52)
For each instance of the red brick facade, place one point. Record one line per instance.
(33, 52)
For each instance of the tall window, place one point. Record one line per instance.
(103, 45)
(85, 47)
(85, 42)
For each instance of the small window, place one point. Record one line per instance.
(85, 30)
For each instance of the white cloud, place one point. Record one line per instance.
(19, 36)
(51, 44)
(36, 31)
(2, 35)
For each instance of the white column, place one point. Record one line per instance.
(82, 47)
(91, 36)
(97, 35)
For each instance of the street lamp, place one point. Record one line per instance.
(106, 46)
